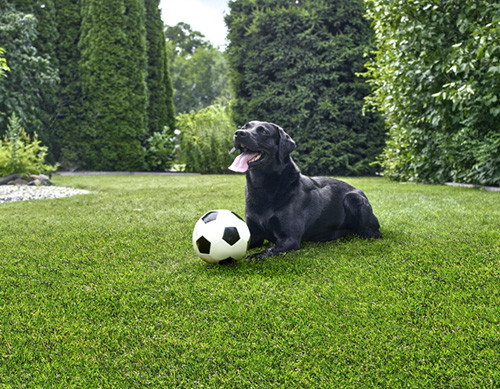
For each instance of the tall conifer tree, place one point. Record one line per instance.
(69, 147)
(160, 103)
(113, 71)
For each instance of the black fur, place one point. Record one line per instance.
(285, 207)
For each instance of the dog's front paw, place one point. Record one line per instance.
(270, 252)
(258, 256)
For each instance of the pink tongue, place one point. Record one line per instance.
(240, 164)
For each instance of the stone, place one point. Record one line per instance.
(44, 180)
(11, 177)
(36, 182)
(39, 180)
(18, 181)
(32, 180)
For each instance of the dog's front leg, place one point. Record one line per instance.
(257, 235)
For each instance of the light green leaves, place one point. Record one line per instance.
(436, 74)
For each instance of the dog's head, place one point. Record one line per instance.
(261, 145)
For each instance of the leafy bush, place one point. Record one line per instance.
(207, 139)
(436, 78)
(19, 154)
(161, 149)
(3, 63)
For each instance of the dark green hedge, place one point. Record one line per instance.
(295, 64)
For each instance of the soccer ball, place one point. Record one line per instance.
(220, 235)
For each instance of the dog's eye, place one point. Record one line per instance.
(262, 131)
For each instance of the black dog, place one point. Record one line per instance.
(284, 206)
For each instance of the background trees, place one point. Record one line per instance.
(436, 78)
(44, 47)
(199, 70)
(92, 78)
(29, 88)
(294, 63)
(113, 74)
(159, 83)
(200, 79)
(105, 109)
(68, 133)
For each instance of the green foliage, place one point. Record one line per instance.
(184, 40)
(159, 83)
(436, 77)
(113, 76)
(294, 63)
(3, 63)
(199, 71)
(116, 89)
(161, 150)
(47, 34)
(68, 135)
(32, 80)
(19, 154)
(199, 80)
(207, 139)
(45, 44)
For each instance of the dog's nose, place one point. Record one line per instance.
(240, 134)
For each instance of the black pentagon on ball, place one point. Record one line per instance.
(237, 216)
(231, 235)
(210, 217)
(203, 245)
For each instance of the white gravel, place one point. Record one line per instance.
(10, 193)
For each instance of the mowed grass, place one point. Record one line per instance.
(104, 291)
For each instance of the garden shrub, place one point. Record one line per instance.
(436, 77)
(21, 154)
(161, 150)
(207, 138)
(3, 63)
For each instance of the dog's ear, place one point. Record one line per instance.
(285, 146)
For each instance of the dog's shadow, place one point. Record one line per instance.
(313, 255)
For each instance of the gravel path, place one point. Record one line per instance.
(10, 193)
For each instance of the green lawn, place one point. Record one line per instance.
(104, 291)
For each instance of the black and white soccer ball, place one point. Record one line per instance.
(220, 235)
